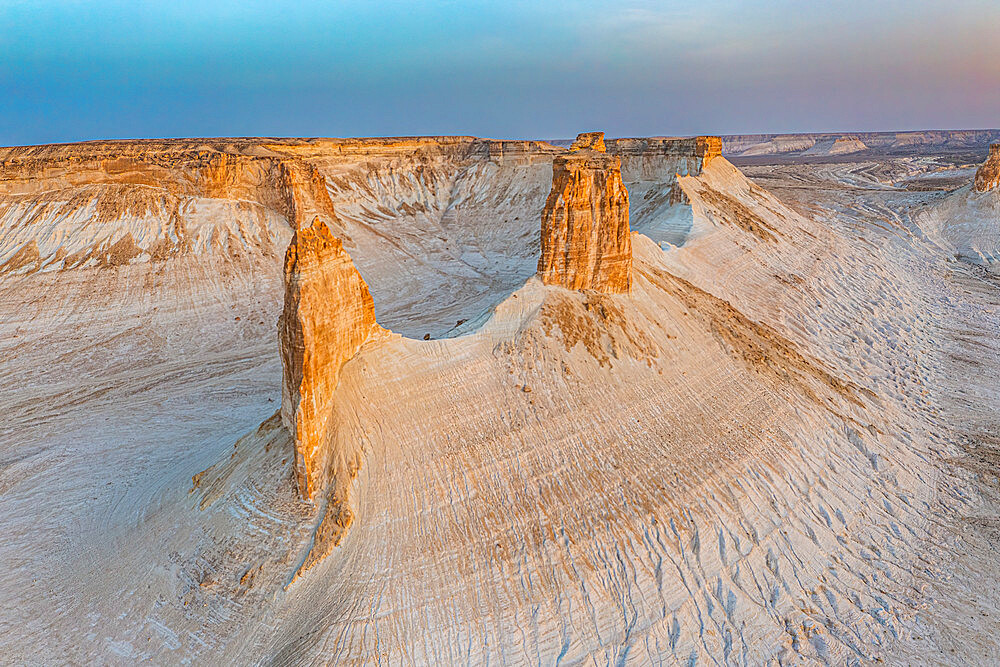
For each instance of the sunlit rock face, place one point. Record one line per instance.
(591, 140)
(328, 315)
(988, 176)
(585, 228)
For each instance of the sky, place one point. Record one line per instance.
(76, 70)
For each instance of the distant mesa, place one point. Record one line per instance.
(585, 223)
(847, 145)
(988, 175)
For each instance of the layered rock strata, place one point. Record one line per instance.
(883, 143)
(651, 165)
(988, 175)
(704, 147)
(327, 317)
(585, 225)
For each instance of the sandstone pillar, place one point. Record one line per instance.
(585, 231)
(328, 315)
(988, 175)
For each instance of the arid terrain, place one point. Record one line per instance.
(450, 400)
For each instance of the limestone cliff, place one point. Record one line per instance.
(585, 225)
(988, 176)
(328, 314)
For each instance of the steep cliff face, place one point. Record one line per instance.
(585, 226)
(988, 175)
(290, 186)
(658, 206)
(113, 205)
(328, 315)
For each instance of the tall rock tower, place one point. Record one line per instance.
(328, 315)
(988, 175)
(585, 232)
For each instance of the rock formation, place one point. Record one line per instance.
(988, 176)
(847, 145)
(703, 148)
(328, 315)
(877, 143)
(585, 224)
(591, 140)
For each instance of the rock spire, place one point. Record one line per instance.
(585, 229)
(988, 176)
(328, 315)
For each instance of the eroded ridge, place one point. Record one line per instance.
(988, 175)
(328, 315)
(585, 225)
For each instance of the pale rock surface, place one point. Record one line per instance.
(780, 144)
(847, 145)
(658, 207)
(881, 143)
(965, 223)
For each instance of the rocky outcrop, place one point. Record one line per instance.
(988, 176)
(847, 145)
(327, 317)
(585, 225)
(657, 161)
(591, 140)
(705, 148)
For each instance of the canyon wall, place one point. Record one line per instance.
(656, 157)
(113, 203)
(988, 175)
(445, 227)
(585, 226)
(651, 166)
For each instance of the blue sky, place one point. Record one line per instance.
(73, 70)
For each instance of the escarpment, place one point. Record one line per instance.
(290, 186)
(585, 226)
(327, 317)
(658, 206)
(988, 175)
(113, 205)
(704, 148)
